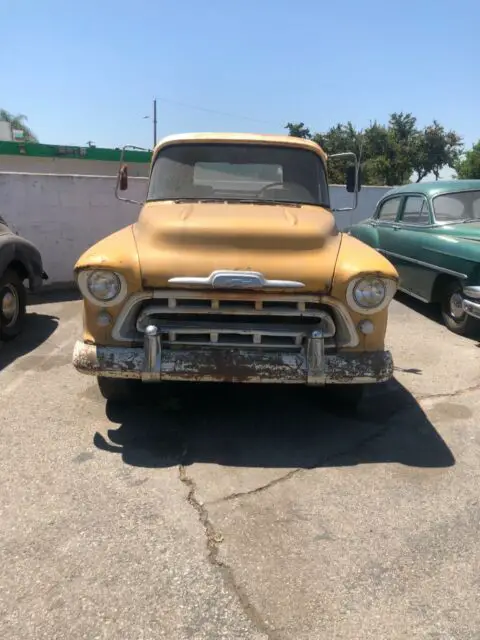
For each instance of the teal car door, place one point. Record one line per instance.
(385, 221)
(406, 248)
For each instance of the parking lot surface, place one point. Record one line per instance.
(217, 511)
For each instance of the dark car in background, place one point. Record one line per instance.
(20, 262)
(431, 233)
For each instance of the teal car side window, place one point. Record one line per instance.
(457, 207)
(415, 211)
(388, 210)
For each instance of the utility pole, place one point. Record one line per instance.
(154, 123)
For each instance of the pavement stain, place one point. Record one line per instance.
(85, 456)
(40, 363)
(450, 410)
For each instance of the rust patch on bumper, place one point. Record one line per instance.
(369, 366)
(232, 365)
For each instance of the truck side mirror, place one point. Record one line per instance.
(123, 178)
(350, 179)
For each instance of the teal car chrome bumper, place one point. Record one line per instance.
(472, 308)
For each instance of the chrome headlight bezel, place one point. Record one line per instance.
(84, 284)
(389, 289)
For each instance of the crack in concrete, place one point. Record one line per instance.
(318, 465)
(261, 488)
(453, 394)
(213, 539)
(340, 454)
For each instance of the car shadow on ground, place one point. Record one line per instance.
(429, 310)
(270, 426)
(37, 329)
(53, 295)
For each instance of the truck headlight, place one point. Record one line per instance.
(370, 294)
(102, 286)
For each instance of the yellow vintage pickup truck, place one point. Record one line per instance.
(235, 271)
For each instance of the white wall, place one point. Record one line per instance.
(367, 201)
(65, 214)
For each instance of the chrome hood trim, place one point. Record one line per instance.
(235, 280)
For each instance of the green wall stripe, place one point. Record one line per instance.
(34, 150)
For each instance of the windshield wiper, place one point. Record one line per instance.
(284, 203)
(199, 200)
(239, 201)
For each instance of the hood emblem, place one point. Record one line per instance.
(235, 280)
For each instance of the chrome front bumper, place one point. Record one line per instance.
(472, 308)
(309, 367)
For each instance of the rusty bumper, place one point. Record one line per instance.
(232, 365)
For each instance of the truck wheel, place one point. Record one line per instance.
(13, 302)
(454, 317)
(117, 389)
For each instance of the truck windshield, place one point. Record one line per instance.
(462, 206)
(238, 172)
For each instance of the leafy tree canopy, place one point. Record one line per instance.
(469, 165)
(390, 154)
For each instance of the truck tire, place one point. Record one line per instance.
(13, 303)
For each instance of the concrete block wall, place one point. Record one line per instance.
(65, 214)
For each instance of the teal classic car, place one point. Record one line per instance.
(431, 233)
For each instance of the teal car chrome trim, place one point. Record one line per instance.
(472, 292)
(472, 308)
(414, 295)
(434, 267)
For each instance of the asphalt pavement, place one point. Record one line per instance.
(239, 512)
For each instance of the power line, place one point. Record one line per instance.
(222, 113)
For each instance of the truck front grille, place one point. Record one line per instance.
(195, 319)
(235, 319)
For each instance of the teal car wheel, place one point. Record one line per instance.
(453, 314)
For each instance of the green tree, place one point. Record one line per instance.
(389, 155)
(298, 130)
(435, 149)
(340, 139)
(18, 122)
(468, 167)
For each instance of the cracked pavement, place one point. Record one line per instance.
(218, 511)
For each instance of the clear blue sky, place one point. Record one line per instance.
(89, 70)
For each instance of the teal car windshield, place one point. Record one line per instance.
(457, 207)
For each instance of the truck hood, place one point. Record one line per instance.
(195, 239)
